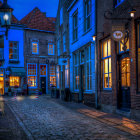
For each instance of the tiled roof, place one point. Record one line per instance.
(38, 20)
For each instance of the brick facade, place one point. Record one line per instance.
(108, 99)
(42, 58)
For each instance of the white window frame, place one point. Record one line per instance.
(32, 75)
(87, 15)
(13, 48)
(48, 48)
(103, 58)
(54, 72)
(75, 28)
(40, 70)
(37, 47)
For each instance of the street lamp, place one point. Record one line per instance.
(94, 38)
(5, 16)
(132, 13)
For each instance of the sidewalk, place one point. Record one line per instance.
(9, 127)
(122, 123)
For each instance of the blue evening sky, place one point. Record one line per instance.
(23, 7)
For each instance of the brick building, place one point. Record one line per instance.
(82, 27)
(118, 69)
(39, 51)
(62, 42)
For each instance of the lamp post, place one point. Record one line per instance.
(5, 16)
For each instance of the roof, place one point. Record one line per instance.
(38, 20)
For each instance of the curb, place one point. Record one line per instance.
(29, 135)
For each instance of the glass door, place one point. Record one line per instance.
(124, 101)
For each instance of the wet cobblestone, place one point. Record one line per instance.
(46, 119)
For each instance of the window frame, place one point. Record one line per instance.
(75, 28)
(52, 75)
(86, 16)
(35, 41)
(14, 53)
(102, 60)
(32, 75)
(40, 70)
(48, 48)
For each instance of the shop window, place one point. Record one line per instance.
(35, 47)
(106, 61)
(32, 75)
(75, 25)
(14, 81)
(50, 49)
(43, 70)
(52, 76)
(13, 50)
(87, 14)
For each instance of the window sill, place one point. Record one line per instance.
(87, 31)
(13, 61)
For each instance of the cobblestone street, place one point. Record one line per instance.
(44, 118)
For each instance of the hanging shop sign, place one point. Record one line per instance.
(118, 32)
(118, 35)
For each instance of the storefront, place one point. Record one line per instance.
(1, 82)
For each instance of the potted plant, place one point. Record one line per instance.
(9, 91)
(40, 91)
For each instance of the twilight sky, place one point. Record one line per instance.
(23, 7)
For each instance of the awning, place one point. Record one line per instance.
(18, 72)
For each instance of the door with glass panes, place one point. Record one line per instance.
(124, 84)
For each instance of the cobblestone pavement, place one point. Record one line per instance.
(9, 127)
(50, 119)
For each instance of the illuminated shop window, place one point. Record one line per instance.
(50, 49)
(35, 48)
(13, 50)
(106, 61)
(32, 75)
(43, 70)
(32, 81)
(14, 81)
(52, 76)
(125, 72)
